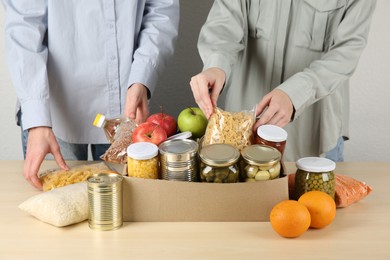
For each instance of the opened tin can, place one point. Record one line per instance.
(178, 159)
(105, 201)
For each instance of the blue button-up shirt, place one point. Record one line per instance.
(72, 59)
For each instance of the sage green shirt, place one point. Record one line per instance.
(307, 48)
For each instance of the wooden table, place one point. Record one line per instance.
(361, 231)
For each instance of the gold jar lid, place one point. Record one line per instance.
(219, 154)
(262, 155)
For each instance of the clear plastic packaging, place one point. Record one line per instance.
(110, 126)
(117, 152)
(230, 128)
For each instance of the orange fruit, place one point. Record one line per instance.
(321, 206)
(290, 218)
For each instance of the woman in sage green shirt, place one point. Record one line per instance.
(293, 58)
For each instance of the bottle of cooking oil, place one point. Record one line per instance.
(109, 125)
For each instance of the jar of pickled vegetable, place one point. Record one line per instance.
(273, 136)
(219, 163)
(142, 160)
(314, 173)
(260, 163)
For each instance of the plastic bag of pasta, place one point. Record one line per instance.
(230, 128)
(55, 178)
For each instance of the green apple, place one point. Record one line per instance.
(193, 120)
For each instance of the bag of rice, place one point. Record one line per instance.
(59, 207)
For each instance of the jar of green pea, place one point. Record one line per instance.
(314, 173)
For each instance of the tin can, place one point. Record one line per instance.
(178, 160)
(105, 201)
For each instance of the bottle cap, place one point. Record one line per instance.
(99, 120)
(272, 133)
(315, 164)
(142, 150)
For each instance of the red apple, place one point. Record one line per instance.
(149, 132)
(166, 121)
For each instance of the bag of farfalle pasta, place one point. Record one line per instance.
(230, 128)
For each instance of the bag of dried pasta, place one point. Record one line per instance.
(230, 128)
(55, 178)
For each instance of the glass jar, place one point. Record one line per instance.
(142, 160)
(260, 163)
(273, 136)
(219, 163)
(314, 173)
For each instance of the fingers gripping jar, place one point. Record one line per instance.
(142, 160)
(314, 173)
(219, 163)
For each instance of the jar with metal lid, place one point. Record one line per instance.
(273, 136)
(142, 160)
(261, 163)
(178, 158)
(219, 163)
(314, 173)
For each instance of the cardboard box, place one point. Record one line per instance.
(161, 200)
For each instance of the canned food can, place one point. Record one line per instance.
(105, 201)
(178, 160)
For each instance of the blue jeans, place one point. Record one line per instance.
(337, 153)
(69, 151)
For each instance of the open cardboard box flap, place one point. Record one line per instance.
(161, 200)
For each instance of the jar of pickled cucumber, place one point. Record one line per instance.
(260, 163)
(219, 163)
(142, 160)
(314, 173)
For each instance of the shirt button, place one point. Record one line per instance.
(113, 57)
(110, 25)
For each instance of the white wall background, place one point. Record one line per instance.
(370, 86)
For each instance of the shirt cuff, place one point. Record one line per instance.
(218, 61)
(300, 92)
(35, 113)
(144, 73)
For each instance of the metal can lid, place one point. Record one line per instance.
(315, 164)
(272, 133)
(259, 154)
(178, 146)
(104, 179)
(219, 154)
(142, 150)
